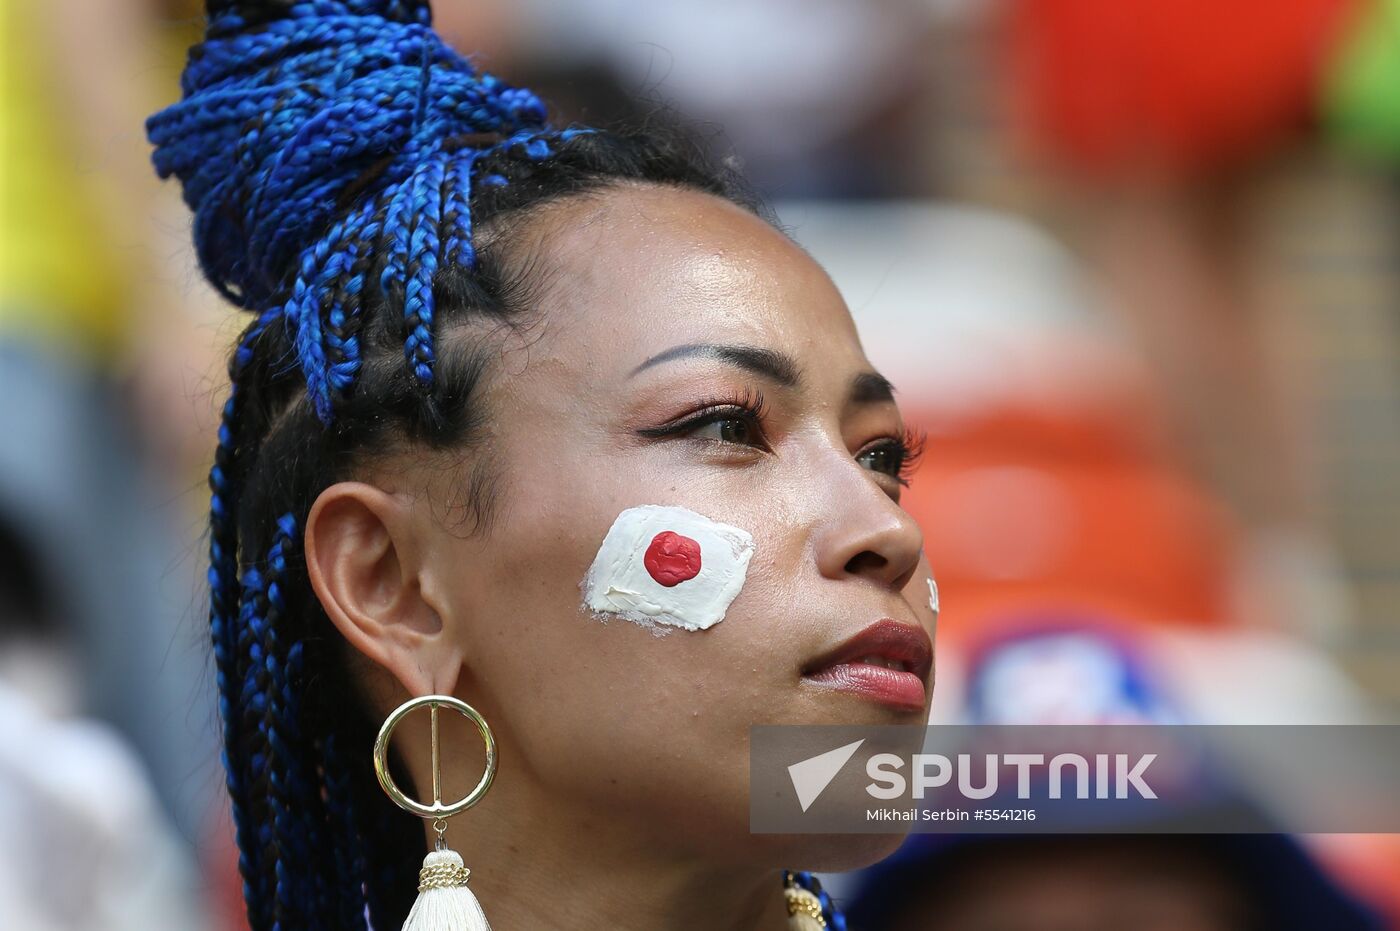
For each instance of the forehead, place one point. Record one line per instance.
(634, 270)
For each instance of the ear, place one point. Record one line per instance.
(363, 558)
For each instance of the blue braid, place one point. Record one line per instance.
(277, 680)
(276, 125)
(347, 301)
(289, 885)
(223, 600)
(324, 267)
(424, 245)
(345, 842)
(456, 210)
(252, 701)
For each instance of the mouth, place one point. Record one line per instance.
(888, 662)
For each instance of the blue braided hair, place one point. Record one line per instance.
(354, 184)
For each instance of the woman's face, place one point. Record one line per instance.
(591, 413)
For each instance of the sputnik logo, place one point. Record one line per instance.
(811, 776)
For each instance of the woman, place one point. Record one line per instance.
(490, 359)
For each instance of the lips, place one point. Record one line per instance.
(887, 661)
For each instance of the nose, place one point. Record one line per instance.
(864, 532)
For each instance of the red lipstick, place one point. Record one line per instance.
(887, 661)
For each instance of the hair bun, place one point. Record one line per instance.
(287, 103)
(229, 16)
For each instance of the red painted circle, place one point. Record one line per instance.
(672, 558)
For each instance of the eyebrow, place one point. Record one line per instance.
(770, 363)
(866, 387)
(871, 388)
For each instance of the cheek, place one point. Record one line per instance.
(573, 631)
(567, 639)
(675, 662)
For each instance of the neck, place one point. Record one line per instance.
(563, 870)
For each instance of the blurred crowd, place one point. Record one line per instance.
(1136, 268)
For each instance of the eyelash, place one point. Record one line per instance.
(751, 407)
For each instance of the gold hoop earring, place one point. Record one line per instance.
(444, 902)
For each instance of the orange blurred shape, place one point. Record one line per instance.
(1044, 509)
(1368, 864)
(1177, 85)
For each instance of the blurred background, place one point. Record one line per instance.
(1135, 267)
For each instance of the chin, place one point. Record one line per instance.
(834, 853)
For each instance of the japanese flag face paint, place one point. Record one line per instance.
(661, 564)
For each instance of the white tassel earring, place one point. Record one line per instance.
(444, 901)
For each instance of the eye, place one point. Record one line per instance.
(887, 458)
(895, 456)
(736, 419)
(729, 427)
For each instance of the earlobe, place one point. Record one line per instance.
(362, 559)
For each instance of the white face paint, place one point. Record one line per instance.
(661, 564)
(933, 601)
